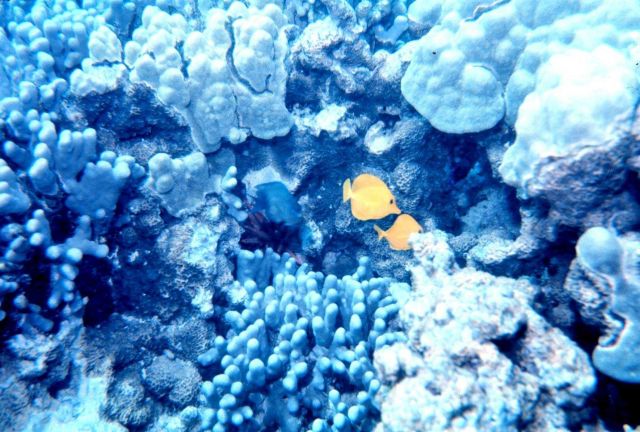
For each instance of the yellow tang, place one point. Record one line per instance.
(370, 197)
(399, 233)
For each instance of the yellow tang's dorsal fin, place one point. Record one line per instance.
(405, 219)
(406, 223)
(367, 181)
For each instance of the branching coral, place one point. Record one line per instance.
(298, 351)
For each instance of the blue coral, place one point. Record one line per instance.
(299, 349)
(51, 169)
(603, 253)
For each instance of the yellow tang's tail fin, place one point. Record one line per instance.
(379, 231)
(346, 190)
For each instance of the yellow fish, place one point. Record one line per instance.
(370, 197)
(399, 233)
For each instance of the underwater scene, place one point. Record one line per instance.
(319, 215)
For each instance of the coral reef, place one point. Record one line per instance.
(478, 356)
(604, 283)
(298, 351)
(176, 255)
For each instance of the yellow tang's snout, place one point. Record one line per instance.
(393, 207)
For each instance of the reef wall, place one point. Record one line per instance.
(176, 254)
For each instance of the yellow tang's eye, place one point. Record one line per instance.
(391, 201)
